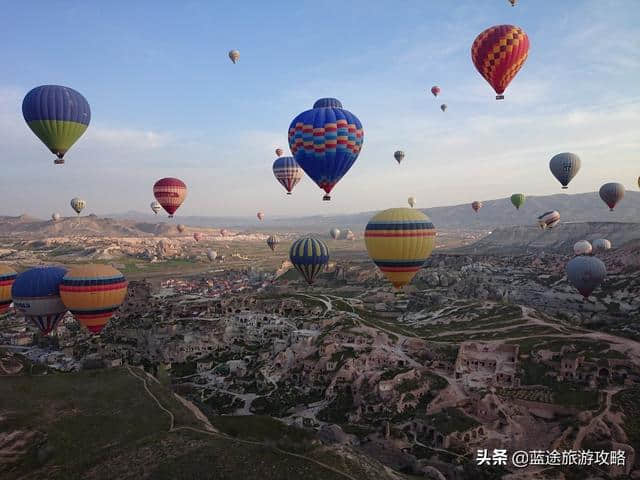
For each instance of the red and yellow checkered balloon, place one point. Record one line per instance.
(498, 53)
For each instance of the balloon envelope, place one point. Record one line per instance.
(549, 219)
(212, 255)
(155, 207)
(77, 204)
(272, 241)
(443, 107)
(564, 166)
(518, 200)
(399, 241)
(582, 247)
(279, 152)
(309, 256)
(399, 156)
(170, 193)
(411, 201)
(180, 227)
(335, 233)
(435, 90)
(586, 274)
(476, 205)
(287, 172)
(260, 215)
(36, 294)
(7, 277)
(234, 55)
(601, 244)
(611, 194)
(197, 236)
(326, 141)
(93, 293)
(57, 115)
(55, 217)
(498, 53)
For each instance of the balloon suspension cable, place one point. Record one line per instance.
(499, 97)
(326, 198)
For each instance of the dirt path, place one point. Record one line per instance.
(173, 428)
(584, 431)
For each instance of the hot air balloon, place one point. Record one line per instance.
(611, 194)
(279, 152)
(548, 219)
(156, 207)
(197, 236)
(55, 217)
(287, 172)
(518, 200)
(564, 167)
(411, 201)
(309, 255)
(7, 277)
(272, 241)
(498, 54)
(170, 193)
(347, 235)
(93, 293)
(399, 156)
(57, 115)
(513, 2)
(234, 55)
(78, 205)
(335, 233)
(223, 232)
(212, 255)
(36, 295)
(601, 244)
(180, 228)
(582, 247)
(639, 182)
(326, 141)
(260, 216)
(443, 107)
(435, 90)
(476, 206)
(399, 241)
(586, 274)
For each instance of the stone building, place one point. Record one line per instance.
(484, 364)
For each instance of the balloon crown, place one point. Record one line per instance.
(327, 103)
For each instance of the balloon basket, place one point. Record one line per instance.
(58, 161)
(288, 193)
(170, 216)
(499, 97)
(326, 198)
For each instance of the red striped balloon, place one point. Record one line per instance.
(170, 193)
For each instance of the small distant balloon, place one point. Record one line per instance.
(234, 55)
(155, 207)
(586, 274)
(224, 232)
(565, 166)
(335, 233)
(443, 107)
(287, 172)
(582, 247)
(55, 217)
(78, 205)
(399, 156)
(411, 201)
(260, 216)
(518, 200)
(548, 219)
(197, 236)
(170, 193)
(212, 255)
(513, 2)
(180, 227)
(435, 90)
(611, 194)
(601, 244)
(272, 242)
(279, 152)
(476, 206)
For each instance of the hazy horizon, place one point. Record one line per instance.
(166, 101)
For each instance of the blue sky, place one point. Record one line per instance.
(166, 100)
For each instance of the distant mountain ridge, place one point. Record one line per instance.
(582, 207)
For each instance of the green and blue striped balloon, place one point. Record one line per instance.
(309, 255)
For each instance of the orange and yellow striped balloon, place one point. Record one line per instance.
(7, 277)
(498, 54)
(93, 293)
(399, 241)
